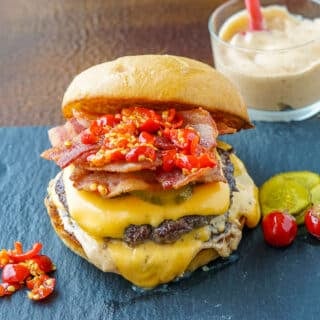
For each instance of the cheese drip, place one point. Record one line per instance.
(151, 264)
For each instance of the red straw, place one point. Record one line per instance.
(256, 22)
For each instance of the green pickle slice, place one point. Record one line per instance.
(285, 195)
(292, 192)
(165, 197)
(300, 217)
(306, 178)
(315, 194)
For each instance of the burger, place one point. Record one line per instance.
(146, 190)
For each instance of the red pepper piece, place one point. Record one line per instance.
(177, 121)
(41, 287)
(14, 273)
(206, 161)
(88, 138)
(188, 162)
(103, 124)
(40, 264)
(4, 258)
(18, 249)
(7, 289)
(183, 138)
(147, 138)
(150, 125)
(146, 119)
(26, 255)
(141, 153)
(117, 155)
(168, 160)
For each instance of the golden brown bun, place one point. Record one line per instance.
(157, 81)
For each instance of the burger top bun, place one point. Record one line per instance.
(159, 82)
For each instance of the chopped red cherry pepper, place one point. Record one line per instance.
(88, 138)
(186, 162)
(117, 155)
(4, 258)
(7, 289)
(40, 264)
(150, 125)
(19, 257)
(14, 273)
(140, 134)
(18, 248)
(103, 124)
(168, 160)
(41, 287)
(141, 153)
(28, 268)
(147, 138)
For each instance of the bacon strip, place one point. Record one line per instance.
(58, 135)
(120, 166)
(201, 121)
(175, 179)
(63, 156)
(118, 183)
(121, 177)
(114, 183)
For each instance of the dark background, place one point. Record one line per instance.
(44, 44)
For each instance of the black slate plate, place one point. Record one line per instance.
(258, 283)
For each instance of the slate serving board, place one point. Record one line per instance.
(259, 282)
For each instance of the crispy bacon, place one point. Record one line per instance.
(118, 183)
(175, 179)
(120, 166)
(63, 156)
(58, 135)
(120, 176)
(114, 183)
(201, 121)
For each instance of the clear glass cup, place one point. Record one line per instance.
(277, 84)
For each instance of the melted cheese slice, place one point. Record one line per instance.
(150, 264)
(110, 217)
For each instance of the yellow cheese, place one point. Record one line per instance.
(109, 217)
(150, 264)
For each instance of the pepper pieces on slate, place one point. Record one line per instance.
(28, 268)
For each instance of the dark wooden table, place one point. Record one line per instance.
(44, 44)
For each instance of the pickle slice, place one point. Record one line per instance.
(280, 193)
(165, 197)
(223, 145)
(306, 178)
(300, 217)
(315, 194)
